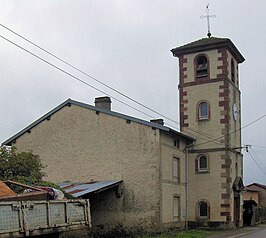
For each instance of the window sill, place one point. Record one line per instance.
(203, 219)
(203, 172)
(176, 182)
(202, 77)
(203, 119)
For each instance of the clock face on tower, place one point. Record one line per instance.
(235, 111)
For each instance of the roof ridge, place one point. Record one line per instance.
(257, 184)
(69, 101)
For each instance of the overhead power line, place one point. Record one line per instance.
(257, 157)
(241, 128)
(79, 70)
(71, 75)
(258, 146)
(215, 140)
(82, 81)
(255, 161)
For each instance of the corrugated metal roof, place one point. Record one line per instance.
(77, 190)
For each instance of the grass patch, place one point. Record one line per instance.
(181, 234)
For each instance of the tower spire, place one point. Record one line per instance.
(208, 19)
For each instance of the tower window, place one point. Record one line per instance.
(232, 70)
(203, 111)
(201, 67)
(202, 163)
(203, 210)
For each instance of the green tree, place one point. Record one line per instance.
(23, 167)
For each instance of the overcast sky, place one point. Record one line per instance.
(126, 44)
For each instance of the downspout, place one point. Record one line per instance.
(186, 180)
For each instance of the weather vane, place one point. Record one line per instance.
(208, 19)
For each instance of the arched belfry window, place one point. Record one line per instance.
(203, 111)
(232, 70)
(201, 66)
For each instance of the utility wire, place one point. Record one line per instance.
(71, 75)
(256, 163)
(81, 71)
(258, 146)
(82, 81)
(241, 128)
(257, 157)
(76, 78)
(113, 89)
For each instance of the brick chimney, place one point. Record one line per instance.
(158, 121)
(103, 102)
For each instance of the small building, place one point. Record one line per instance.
(251, 194)
(80, 142)
(250, 202)
(257, 192)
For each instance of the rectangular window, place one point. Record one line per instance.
(176, 170)
(176, 209)
(177, 143)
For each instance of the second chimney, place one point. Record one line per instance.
(103, 102)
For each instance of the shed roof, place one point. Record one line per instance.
(69, 102)
(78, 190)
(208, 44)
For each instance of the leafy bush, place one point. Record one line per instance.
(25, 168)
(20, 166)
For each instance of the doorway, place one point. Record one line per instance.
(236, 209)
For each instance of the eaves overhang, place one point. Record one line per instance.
(70, 102)
(188, 138)
(206, 44)
(80, 189)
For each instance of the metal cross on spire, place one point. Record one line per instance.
(208, 19)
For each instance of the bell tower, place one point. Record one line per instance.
(210, 106)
